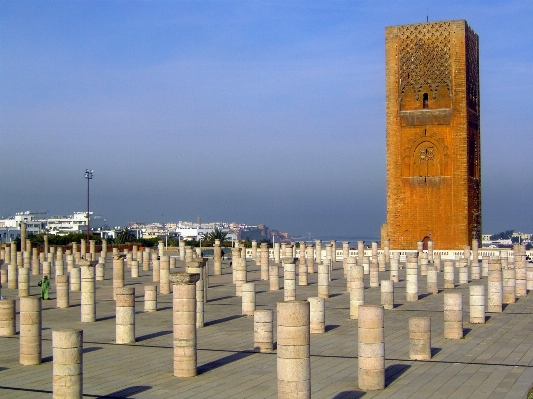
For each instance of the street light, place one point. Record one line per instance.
(88, 176)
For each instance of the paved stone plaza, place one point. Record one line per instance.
(493, 360)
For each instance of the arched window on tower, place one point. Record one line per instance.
(425, 99)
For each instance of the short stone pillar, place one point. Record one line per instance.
(423, 264)
(432, 285)
(263, 330)
(371, 348)
(411, 279)
(508, 286)
(62, 291)
(173, 261)
(146, 259)
(182, 248)
(241, 276)
(323, 280)
(83, 248)
(8, 318)
(430, 251)
(248, 299)
(520, 274)
(47, 269)
(449, 274)
(357, 294)
(164, 273)
(345, 256)
(199, 265)
(254, 251)
(477, 304)
(100, 272)
(289, 279)
(75, 279)
(277, 252)
(12, 276)
(374, 250)
(494, 287)
(155, 270)
(317, 323)
(310, 258)
(293, 356)
(35, 265)
(161, 248)
(70, 262)
(453, 315)
(30, 330)
(67, 363)
(351, 264)
(118, 274)
(318, 251)
(217, 258)
(88, 293)
(374, 273)
(366, 265)
(419, 338)
(184, 321)
(387, 294)
(437, 262)
(188, 253)
(125, 316)
(23, 281)
(462, 267)
(265, 268)
(302, 267)
(134, 268)
(273, 276)
(150, 298)
(382, 266)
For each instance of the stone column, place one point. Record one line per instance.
(100, 272)
(432, 286)
(184, 320)
(494, 287)
(521, 272)
(263, 330)
(35, 265)
(328, 254)
(294, 366)
(419, 248)
(254, 251)
(188, 253)
(357, 290)
(70, 262)
(12, 276)
(277, 252)
(264, 261)
(88, 293)
(134, 268)
(22, 236)
(7, 254)
(430, 251)
(75, 279)
(374, 273)
(150, 298)
(182, 249)
(423, 264)
(317, 315)
(155, 270)
(7, 318)
(273, 277)
(146, 259)
(92, 249)
(239, 267)
(289, 279)
(449, 274)
(351, 262)
(371, 348)
(310, 258)
(83, 249)
(360, 252)
(394, 272)
(529, 276)
(318, 251)
(23, 281)
(411, 279)
(30, 330)
(323, 280)
(420, 338)
(508, 286)
(118, 274)
(387, 294)
(462, 268)
(67, 364)
(161, 248)
(302, 268)
(125, 316)
(366, 265)
(382, 267)
(45, 239)
(345, 256)
(453, 315)
(374, 250)
(164, 273)
(477, 304)
(62, 291)
(248, 299)
(129, 259)
(437, 262)
(333, 250)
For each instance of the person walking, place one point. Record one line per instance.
(45, 288)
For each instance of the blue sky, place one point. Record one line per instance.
(261, 112)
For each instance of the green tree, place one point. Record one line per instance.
(216, 234)
(125, 235)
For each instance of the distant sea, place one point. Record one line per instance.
(339, 239)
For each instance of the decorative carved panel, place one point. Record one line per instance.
(472, 69)
(424, 57)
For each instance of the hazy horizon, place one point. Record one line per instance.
(257, 112)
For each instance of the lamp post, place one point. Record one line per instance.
(88, 176)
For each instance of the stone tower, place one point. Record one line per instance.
(433, 139)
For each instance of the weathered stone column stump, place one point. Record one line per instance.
(371, 348)
(30, 330)
(263, 330)
(125, 316)
(420, 338)
(67, 364)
